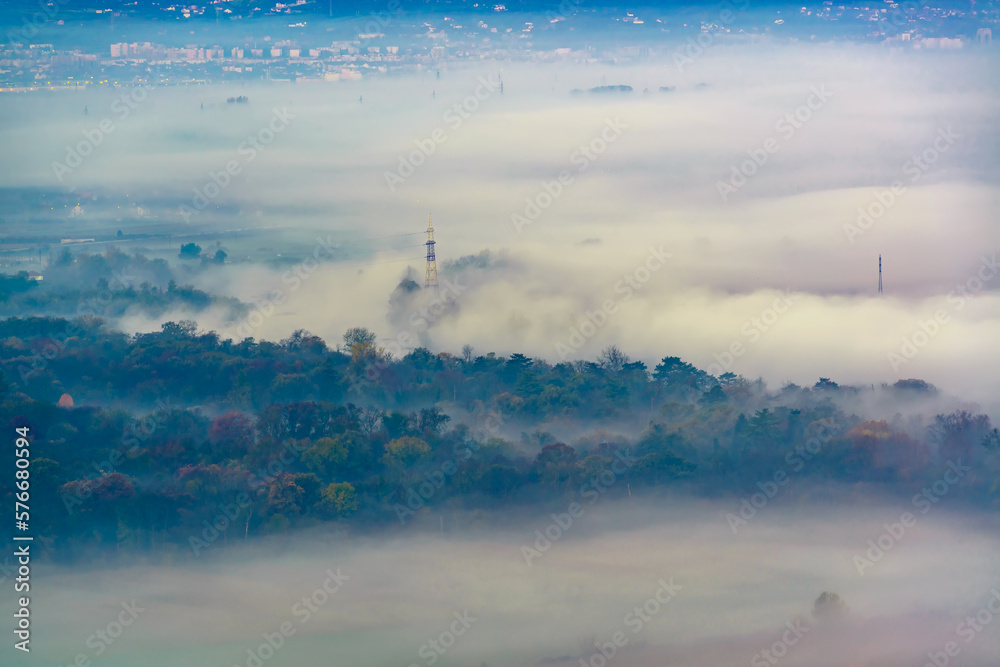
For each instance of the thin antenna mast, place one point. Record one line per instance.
(880, 274)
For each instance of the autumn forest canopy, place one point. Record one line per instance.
(178, 441)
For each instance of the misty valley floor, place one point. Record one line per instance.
(735, 595)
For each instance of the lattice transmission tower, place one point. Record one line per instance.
(431, 273)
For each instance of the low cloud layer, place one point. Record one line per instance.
(768, 170)
(392, 597)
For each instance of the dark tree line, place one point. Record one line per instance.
(180, 441)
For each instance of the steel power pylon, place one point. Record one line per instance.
(431, 273)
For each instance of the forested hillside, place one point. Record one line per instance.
(177, 441)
